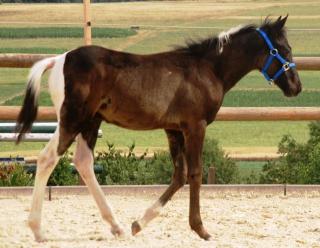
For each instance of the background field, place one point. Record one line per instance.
(162, 25)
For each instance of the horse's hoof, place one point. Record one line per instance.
(204, 235)
(207, 237)
(135, 228)
(201, 231)
(40, 238)
(117, 232)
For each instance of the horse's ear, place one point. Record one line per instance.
(280, 22)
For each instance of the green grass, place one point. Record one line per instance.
(62, 32)
(34, 50)
(229, 134)
(255, 80)
(249, 168)
(44, 100)
(304, 43)
(307, 9)
(12, 82)
(265, 98)
(235, 98)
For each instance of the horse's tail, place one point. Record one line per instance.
(29, 110)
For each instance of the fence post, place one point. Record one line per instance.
(211, 175)
(87, 22)
(50, 193)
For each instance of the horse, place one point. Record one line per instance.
(180, 91)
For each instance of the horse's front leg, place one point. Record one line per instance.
(194, 137)
(176, 145)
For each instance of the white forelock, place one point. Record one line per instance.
(224, 37)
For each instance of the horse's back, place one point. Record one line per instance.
(136, 91)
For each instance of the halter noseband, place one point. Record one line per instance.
(286, 65)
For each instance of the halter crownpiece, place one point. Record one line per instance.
(286, 65)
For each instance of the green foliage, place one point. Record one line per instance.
(252, 178)
(213, 155)
(299, 163)
(63, 173)
(13, 174)
(249, 171)
(118, 168)
(131, 169)
(62, 32)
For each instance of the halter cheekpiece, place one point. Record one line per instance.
(286, 65)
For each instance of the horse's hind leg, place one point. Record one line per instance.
(47, 160)
(83, 160)
(176, 145)
(49, 156)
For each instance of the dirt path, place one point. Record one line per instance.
(143, 34)
(234, 220)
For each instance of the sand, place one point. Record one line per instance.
(233, 219)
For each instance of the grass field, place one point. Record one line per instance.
(61, 32)
(162, 25)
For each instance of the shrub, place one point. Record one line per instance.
(213, 155)
(63, 174)
(13, 174)
(299, 163)
(127, 169)
(130, 169)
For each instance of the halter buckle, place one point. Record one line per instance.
(286, 66)
(271, 82)
(274, 52)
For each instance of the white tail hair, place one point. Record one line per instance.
(35, 74)
(29, 110)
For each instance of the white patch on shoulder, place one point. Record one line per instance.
(224, 37)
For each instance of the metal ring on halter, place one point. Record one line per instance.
(286, 66)
(271, 82)
(274, 52)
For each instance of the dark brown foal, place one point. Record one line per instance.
(179, 91)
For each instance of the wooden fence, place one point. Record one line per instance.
(9, 113)
(27, 60)
(225, 113)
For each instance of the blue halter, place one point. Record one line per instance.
(286, 65)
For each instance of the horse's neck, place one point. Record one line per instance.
(235, 62)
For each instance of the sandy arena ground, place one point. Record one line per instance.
(234, 220)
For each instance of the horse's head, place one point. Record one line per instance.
(275, 61)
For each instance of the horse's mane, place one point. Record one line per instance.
(200, 48)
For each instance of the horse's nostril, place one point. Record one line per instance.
(299, 88)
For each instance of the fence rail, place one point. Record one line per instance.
(27, 60)
(294, 190)
(14, 60)
(9, 113)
